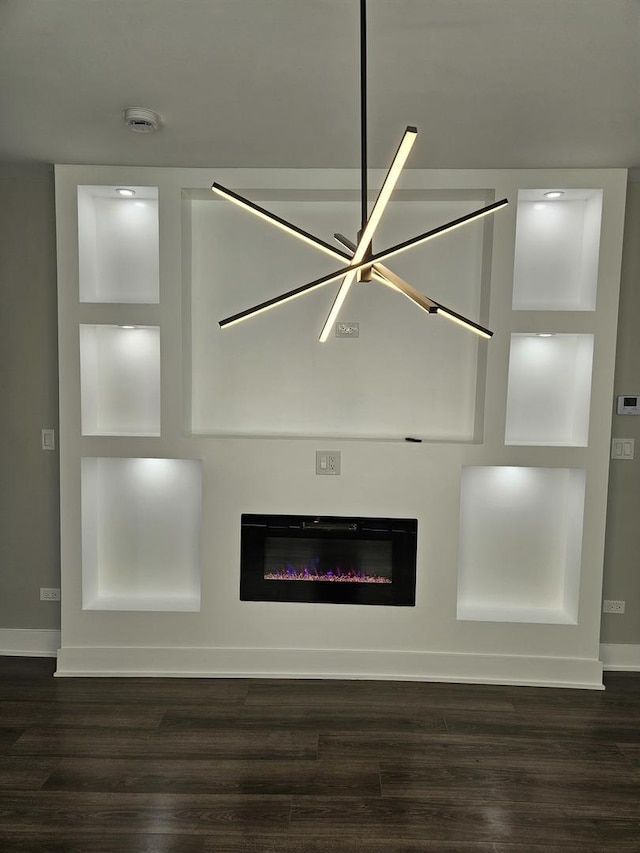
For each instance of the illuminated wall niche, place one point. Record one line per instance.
(118, 245)
(549, 392)
(557, 251)
(520, 544)
(120, 380)
(141, 534)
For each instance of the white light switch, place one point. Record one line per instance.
(622, 448)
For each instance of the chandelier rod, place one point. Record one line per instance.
(363, 110)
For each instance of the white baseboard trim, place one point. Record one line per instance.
(103, 661)
(29, 642)
(615, 657)
(620, 657)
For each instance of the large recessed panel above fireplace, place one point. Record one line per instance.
(232, 371)
(329, 559)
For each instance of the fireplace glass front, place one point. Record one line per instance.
(333, 559)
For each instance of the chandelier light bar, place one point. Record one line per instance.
(387, 188)
(362, 250)
(341, 295)
(362, 264)
(464, 322)
(402, 287)
(277, 300)
(441, 229)
(279, 222)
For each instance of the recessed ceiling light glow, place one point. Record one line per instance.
(544, 335)
(125, 191)
(554, 194)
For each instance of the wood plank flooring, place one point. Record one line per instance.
(258, 766)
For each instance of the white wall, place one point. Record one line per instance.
(379, 477)
(29, 562)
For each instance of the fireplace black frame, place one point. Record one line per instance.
(401, 533)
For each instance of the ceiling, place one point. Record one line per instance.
(275, 83)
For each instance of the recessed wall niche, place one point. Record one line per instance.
(270, 376)
(120, 380)
(520, 544)
(549, 389)
(557, 251)
(141, 522)
(118, 246)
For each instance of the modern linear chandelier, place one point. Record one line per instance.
(361, 263)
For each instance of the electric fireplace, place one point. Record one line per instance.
(332, 559)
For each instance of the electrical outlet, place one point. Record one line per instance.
(328, 462)
(49, 594)
(612, 606)
(348, 330)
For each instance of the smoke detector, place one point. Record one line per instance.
(141, 120)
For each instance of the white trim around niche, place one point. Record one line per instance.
(29, 642)
(620, 657)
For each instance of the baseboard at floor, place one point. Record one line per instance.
(29, 642)
(620, 657)
(121, 661)
(36, 642)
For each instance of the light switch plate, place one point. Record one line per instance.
(622, 448)
(48, 439)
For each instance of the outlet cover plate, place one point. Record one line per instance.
(49, 594)
(610, 606)
(328, 462)
(347, 330)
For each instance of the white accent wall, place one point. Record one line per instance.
(171, 429)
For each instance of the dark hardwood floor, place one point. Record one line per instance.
(257, 766)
